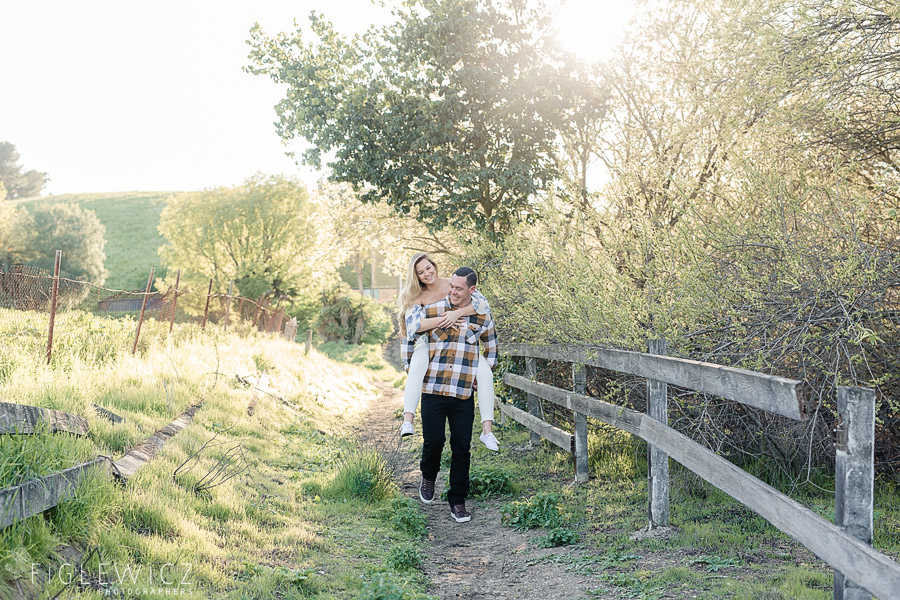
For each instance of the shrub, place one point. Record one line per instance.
(541, 510)
(488, 481)
(305, 308)
(404, 558)
(348, 316)
(78, 233)
(560, 536)
(406, 517)
(382, 587)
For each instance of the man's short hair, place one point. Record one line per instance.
(469, 274)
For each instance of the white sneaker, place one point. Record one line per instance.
(490, 441)
(406, 429)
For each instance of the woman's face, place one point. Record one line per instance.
(426, 272)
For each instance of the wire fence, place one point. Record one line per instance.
(26, 292)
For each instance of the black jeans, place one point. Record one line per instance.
(436, 410)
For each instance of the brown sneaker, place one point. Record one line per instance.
(426, 491)
(459, 513)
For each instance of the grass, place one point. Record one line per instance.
(306, 519)
(720, 549)
(314, 517)
(131, 219)
(367, 356)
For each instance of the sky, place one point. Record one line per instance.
(114, 96)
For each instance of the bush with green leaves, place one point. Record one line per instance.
(346, 315)
(541, 510)
(78, 233)
(405, 516)
(490, 481)
(404, 558)
(558, 536)
(383, 587)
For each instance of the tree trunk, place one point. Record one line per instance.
(358, 267)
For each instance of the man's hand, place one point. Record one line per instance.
(450, 319)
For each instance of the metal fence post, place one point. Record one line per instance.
(228, 303)
(854, 475)
(175, 300)
(260, 304)
(54, 295)
(279, 317)
(579, 386)
(534, 403)
(206, 310)
(658, 461)
(137, 333)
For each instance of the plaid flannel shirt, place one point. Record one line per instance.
(414, 316)
(453, 354)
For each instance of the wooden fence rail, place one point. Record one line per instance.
(768, 392)
(37, 495)
(24, 419)
(860, 570)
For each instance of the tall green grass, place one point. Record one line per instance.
(718, 548)
(307, 519)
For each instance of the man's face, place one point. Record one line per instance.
(460, 292)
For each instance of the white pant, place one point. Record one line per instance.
(418, 366)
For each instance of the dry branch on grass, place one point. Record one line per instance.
(231, 464)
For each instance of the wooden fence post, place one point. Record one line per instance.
(290, 329)
(579, 386)
(137, 332)
(206, 310)
(854, 475)
(54, 295)
(658, 461)
(175, 300)
(534, 403)
(228, 303)
(309, 334)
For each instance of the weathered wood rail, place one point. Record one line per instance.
(141, 454)
(37, 495)
(34, 496)
(24, 419)
(860, 570)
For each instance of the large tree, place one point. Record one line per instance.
(258, 234)
(16, 234)
(450, 114)
(17, 183)
(74, 230)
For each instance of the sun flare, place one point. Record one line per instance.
(592, 28)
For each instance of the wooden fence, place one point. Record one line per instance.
(845, 545)
(36, 495)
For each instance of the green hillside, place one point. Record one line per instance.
(132, 240)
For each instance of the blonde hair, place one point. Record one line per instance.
(412, 287)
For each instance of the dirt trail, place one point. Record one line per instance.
(482, 558)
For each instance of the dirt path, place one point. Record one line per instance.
(482, 558)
